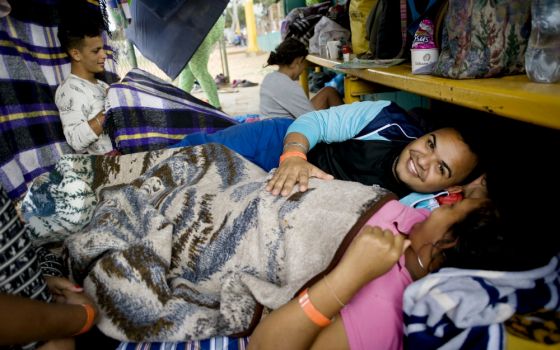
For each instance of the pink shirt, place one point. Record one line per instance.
(373, 318)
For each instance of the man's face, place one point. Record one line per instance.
(91, 56)
(435, 161)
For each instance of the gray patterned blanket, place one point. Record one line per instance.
(185, 243)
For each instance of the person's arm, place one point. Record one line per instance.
(96, 123)
(335, 124)
(372, 253)
(25, 320)
(78, 130)
(294, 168)
(59, 344)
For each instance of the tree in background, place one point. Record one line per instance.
(235, 14)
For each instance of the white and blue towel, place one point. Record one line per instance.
(459, 308)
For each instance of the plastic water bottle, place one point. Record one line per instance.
(542, 58)
(346, 51)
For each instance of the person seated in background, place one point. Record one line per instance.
(81, 96)
(281, 95)
(37, 303)
(371, 142)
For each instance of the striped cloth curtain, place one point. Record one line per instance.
(32, 65)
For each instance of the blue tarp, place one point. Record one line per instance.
(168, 32)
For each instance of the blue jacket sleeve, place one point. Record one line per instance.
(337, 124)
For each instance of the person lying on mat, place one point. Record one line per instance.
(210, 204)
(368, 142)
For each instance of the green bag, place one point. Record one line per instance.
(358, 12)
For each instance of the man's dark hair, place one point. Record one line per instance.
(287, 52)
(477, 145)
(78, 22)
(480, 241)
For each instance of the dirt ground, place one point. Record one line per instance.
(239, 100)
(234, 101)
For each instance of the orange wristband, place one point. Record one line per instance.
(90, 318)
(311, 312)
(292, 154)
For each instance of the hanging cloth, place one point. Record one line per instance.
(169, 32)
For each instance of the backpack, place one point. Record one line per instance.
(358, 11)
(391, 25)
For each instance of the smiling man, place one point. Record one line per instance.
(435, 161)
(81, 97)
(371, 142)
(374, 142)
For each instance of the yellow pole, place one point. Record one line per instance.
(304, 81)
(251, 27)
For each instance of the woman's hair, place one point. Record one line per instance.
(489, 240)
(479, 241)
(287, 52)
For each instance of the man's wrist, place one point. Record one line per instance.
(98, 122)
(289, 154)
(295, 146)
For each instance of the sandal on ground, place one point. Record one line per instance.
(243, 83)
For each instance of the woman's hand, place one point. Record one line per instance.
(66, 292)
(58, 285)
(291, 171)
(371, 254)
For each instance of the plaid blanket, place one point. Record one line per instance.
(146, 113)
(32, 65)
(185, 244)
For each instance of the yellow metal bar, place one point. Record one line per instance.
(251, 23)
(511, 96)
(355, 87)
(304, 81)
(516, 343)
